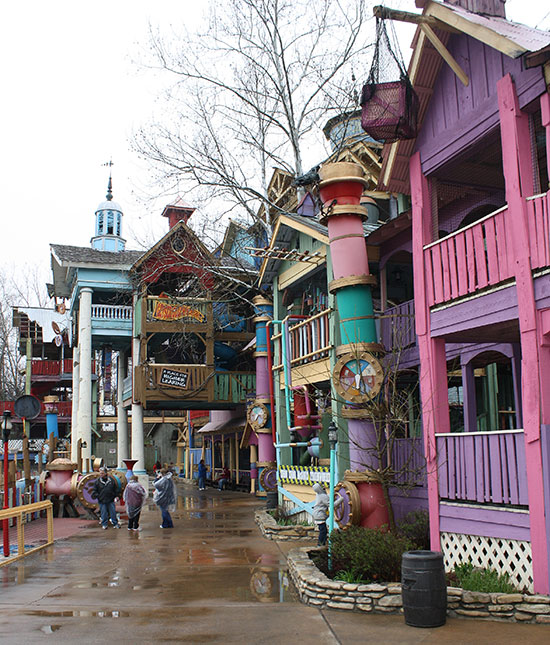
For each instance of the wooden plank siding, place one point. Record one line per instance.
(483, 467)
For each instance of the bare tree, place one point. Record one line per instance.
(24, 288)
(251, 94)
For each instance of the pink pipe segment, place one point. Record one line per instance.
(349, 254)
(271, 392)
(266, 449)
(262, 377)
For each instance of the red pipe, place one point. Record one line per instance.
(271, 391)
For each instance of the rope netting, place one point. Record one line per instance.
(389, 107)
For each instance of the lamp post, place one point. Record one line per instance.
(332, 440)
(6, 429)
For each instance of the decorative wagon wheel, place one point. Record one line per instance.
(268, 478)
(348, 513)
(260, 583)
(84, 490)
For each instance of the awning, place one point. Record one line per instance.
(223, 427)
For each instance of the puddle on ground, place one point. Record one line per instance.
(79, 613)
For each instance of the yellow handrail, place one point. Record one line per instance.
(17, 512)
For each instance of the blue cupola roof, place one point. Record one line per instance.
(108, 224)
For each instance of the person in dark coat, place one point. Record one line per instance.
(202, 475)
(105, 491)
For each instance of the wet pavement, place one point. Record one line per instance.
(211, 579)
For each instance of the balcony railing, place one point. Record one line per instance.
(483, 467)
(538, 222)
(112, 312)
(397, 328)
(309, 339)
(471, 259)
(234, 387)
(408, 462)
(54, 368)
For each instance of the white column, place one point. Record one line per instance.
(84, 415)
(122, 414)
(74, 407)
(138, 450)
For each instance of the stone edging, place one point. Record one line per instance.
(273, 531)
(314, 588)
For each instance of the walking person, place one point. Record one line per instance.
(165, 497)
(134, 498)
(105, 491)
(202, 475)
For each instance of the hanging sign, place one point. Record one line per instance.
(167, 311)
(174, 379)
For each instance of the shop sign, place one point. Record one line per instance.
(167, 311)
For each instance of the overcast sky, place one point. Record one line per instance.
(72, 96)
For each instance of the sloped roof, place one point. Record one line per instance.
(512, 39)
(79, 255)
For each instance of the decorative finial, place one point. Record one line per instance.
(109, 195)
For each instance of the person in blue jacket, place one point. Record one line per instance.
(202, 475)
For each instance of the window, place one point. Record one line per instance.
(99, 223)
(118, 224)
(110, 223)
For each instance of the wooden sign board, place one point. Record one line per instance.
(174, 379)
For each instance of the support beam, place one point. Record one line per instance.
(445, 54)
(84, 418)
(385, 13)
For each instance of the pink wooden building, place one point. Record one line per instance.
(478, 236)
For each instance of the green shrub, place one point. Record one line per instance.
(348, 576)
(415, 526)
(283, 519)
(485, 580)
(370, 555)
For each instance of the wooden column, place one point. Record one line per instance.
(545, 113)
(433, 369)
(518, 175)
(469, 398)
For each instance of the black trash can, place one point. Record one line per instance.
(272, 499)
(424, 588)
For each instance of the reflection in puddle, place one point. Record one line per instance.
(80, 613)
(49, 629)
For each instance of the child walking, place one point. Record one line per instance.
(320, 511)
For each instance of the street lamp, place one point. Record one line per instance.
(332, 440)
(6, 429)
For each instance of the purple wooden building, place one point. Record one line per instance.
(476, 235)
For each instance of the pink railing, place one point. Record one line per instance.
(483, 467)
(538, 222)
(470, 259)
(309, 339)
(397, 326)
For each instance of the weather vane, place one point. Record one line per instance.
(109, 163)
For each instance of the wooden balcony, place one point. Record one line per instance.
(309, 349)
(47, 370)
(186, 385)
(112, 320)
(483, 467)
(478, 256)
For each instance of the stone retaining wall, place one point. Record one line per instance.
(314, 588)
(273, 531)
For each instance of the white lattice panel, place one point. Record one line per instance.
(513, 557)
